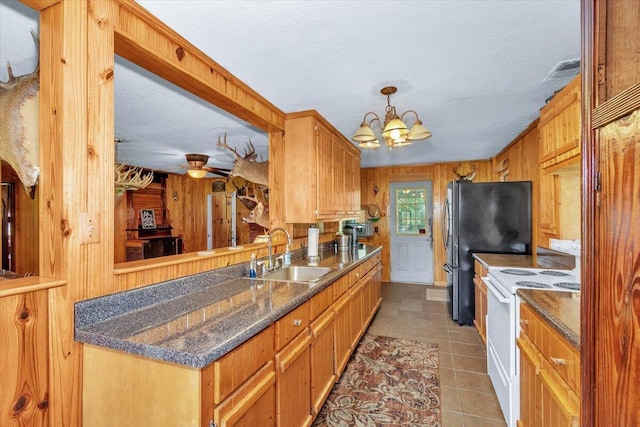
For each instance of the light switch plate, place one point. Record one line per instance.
(89, 228)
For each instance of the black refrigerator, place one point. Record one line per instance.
(490, 217)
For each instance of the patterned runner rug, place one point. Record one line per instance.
(387, 382)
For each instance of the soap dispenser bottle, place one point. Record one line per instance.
(252, 266)
(287, 257)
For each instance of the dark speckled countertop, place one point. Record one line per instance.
(195, 320)
(543, 258)
(561, 310)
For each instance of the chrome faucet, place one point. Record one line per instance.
(271, 232)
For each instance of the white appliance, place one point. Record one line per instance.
(503, 318)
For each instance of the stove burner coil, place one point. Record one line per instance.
(572, 286)
(518, 272)
(528, 284)
(554, 273)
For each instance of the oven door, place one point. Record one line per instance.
(501, 349)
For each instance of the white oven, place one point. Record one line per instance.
(503, 326)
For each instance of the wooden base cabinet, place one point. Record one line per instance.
(549, 375)
(279, 377)
(480, 320)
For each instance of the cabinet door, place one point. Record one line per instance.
(548, 208)
(293, 382)
(339, 201)
(322, 361)
(342, 342)
(356, 313)
(325, 178)
(481, 308)
(560, 407)
(530, 385)
(352, 182)
(253, 404)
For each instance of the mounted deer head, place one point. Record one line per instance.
(19, 133)
(463, 172)
(247, 167)
(259, 214)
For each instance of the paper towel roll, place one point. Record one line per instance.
(314, 237)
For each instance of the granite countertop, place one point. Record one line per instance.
(544, 258)
(195, 320)
(561, 310)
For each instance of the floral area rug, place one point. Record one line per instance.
(387, 382)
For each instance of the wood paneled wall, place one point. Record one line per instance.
(24, 389)
(439, 174)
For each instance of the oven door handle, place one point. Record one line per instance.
(496, 293)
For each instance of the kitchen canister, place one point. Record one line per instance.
(344, 242)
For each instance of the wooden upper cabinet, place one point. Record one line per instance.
(322, 170)
(559, 128)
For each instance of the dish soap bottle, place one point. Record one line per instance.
(253, 266)
(287, 257)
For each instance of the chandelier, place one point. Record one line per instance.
(394, 130)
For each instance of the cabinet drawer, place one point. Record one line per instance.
(340, 286)
(233, 369)
(291, 325)
(320, 302)
(355, 275)
(559, 355)
(480, 269)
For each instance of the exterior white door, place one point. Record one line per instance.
(411, 232)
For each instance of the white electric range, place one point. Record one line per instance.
(503, 318)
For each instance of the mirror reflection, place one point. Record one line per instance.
(194, 201)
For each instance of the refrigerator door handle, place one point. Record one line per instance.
(445, 223)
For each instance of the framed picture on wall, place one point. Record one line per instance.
(148, 218)
(218, 187)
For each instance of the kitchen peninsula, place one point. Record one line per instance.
(221, 346)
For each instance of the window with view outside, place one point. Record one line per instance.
(410, 211)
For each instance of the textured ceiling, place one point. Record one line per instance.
(473, 70)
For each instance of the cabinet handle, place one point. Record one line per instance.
(524, 322)
(558, 361)
(297, 322)
(357, 275)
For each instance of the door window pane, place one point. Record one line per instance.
(410, 210)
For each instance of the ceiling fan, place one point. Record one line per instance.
(197, 168)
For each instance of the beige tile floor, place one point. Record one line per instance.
(467, 395)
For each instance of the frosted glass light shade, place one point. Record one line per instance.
(197, 173)
(369, 144)
(418, 131)
(395, 129)
(364, 134)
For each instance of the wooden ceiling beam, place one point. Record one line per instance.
(146, 41)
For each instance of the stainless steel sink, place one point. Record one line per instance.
(298, 273)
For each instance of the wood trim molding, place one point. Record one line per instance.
(590, 90)
(39, 4)
(619, 106)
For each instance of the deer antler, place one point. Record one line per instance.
(131, 178)
(251, 154)
(225, 145)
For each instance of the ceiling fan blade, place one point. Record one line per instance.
(217, 171)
